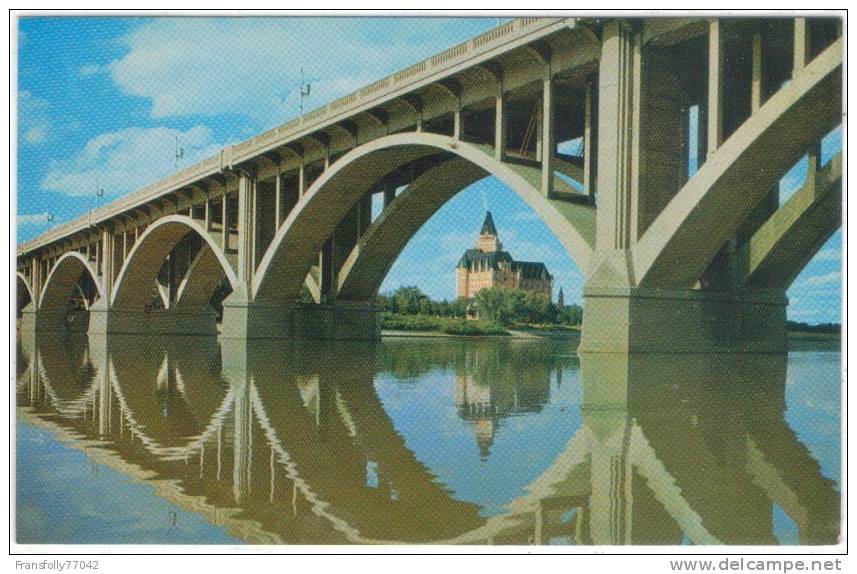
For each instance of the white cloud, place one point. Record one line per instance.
(34, 120)
(91, 70)
(32, 219)
(828, 254)
(251, 67)
(832, 278)
(128, 159)
(37, 134)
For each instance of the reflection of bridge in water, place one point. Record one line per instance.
(290, 444)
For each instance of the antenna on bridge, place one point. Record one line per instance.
(179, 153)
(99, 192)
(305, 89)
(49, 217)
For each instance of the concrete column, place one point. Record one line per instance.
(801, 45)
(756, 93)
(36, 280)
(246, 229)
(107, 258)
(207, 213)
(715, 86)
(590, 140)
(253, 228)
(548, 136)
(617, 120)
(456, 123)
(301, 180)
(500, 126)
(224, 231)
(327, 269)
(278, 208)
(389, 194)
(813, 163)
(98, 257)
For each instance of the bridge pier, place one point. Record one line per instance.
(50, 320)
(340, 321)
(639, 320)
(189, 321)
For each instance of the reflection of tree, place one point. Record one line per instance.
(409, 358)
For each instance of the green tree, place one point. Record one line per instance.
(409, 300)
(503, 306)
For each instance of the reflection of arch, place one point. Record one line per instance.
(167, 396)
(140, 271)
(68, 373)
(682, 240)
(296, 245)
(64, 277)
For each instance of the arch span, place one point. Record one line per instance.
(64, 277)
(24, 294)
(140, 270)
(681, 242)
(365, 268)
(296, 245)
(201, 280)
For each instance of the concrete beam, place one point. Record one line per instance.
(782, 247)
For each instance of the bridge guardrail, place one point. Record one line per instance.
(297, 127)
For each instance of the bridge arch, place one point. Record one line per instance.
(63, 278)
(296, 245)
(140, 270)
(24, 293)
(681, 242)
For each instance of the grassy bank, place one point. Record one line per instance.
(446, 325)
(813, 336)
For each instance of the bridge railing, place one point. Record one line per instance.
(384, 89)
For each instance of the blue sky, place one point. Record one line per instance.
(101, 102)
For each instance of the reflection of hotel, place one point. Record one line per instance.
(484, 405)
(489, 266)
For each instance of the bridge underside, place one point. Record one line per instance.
(674, 258)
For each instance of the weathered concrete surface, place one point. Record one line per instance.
(186, 321)
(340, 321)
(639, 320)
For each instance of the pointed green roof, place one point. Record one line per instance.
(488, 225)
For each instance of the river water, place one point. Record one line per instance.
(174, 441)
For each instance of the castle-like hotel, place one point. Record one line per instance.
(489, 266)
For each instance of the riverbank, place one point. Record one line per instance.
(423, 326)
(396, 325)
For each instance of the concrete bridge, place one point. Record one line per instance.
(674, 258)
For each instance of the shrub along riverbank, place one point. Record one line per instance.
(446, 325)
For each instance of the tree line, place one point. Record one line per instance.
(500, 305)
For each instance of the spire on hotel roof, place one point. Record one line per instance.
(488, 225)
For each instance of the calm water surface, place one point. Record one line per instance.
(134, 440)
